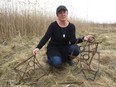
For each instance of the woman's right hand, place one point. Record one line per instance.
(35, 51)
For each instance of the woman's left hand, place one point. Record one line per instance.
(89, 38)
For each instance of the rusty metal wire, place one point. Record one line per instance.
(27, 68)
(90, 54)
(89, 59)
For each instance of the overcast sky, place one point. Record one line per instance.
(90, 10)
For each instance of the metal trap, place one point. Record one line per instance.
(30, 70)
(89, 59)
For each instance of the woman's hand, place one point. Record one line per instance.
(89, 38)
(35, 51)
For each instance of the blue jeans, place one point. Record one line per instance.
(56, 60)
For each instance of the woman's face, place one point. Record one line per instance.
(62, 15)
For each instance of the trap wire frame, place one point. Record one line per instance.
(32, 64)
(88, 53)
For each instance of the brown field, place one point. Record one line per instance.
(19, 34)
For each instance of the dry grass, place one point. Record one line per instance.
(19, 34)
(15, 22)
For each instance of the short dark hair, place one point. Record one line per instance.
(61, 8)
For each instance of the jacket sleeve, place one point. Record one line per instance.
(46, 37)
(73, 38)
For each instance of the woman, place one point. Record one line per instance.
(62, 39)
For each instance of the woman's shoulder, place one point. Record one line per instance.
(53, 23)
(72, 26)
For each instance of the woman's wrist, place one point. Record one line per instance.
(83, 38)
(37, 48)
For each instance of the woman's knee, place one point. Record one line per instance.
(55, 61)
(74, 50)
